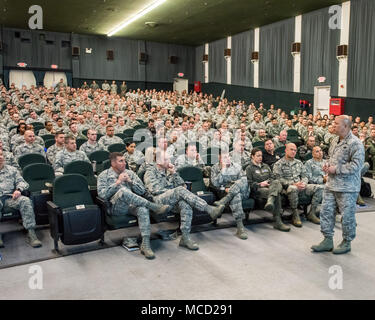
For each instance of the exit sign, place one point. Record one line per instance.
(54, 66)
(22, 64)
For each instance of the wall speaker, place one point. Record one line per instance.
(296, 47)
(255, 55)
(143, 57)
(76, 51)
(110, 55)
(173, 60)
(227, 52)
(342, 51)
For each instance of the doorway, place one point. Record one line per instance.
(322, 95)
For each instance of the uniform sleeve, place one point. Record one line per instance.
(152, 183)
(20, 182)
(252, 183)
(216, 177)
(58, 166)
(303, 174)
(137, 185)
(356, 161)
(107, 186)
(279, 174)
(85, 157)
(177, 180)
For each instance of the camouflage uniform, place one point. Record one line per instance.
(314, 171)
(64, 157)
(10, 160)
(244, 158)
(43, 132)
(134, 160)
(89, 148)
(169, 189)
(106, 141)
(342, 188)
(289, 172)
(233, 179)
(125, 197)
(10, 180)
(303, 152)
(52, 152)
(26, 148)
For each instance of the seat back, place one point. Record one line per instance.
(80, 142)
(48, 137)
(37, 174)
(106, 164)
(195, 176)
(129, 132)
(71, 190)
(84, 132)
(30, 158)
(37, 125)
(280, 151)
(258, 144)
(99, 156)
(120, 135)
(81, 167)
(117, 147)
(49, 143)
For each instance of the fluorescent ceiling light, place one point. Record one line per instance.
(137, 16)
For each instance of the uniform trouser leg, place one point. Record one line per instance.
(129, 198)
(292, 194)
(121, 207)
(143, 216)
(236, 207)
(240, 191)
(327, 213)
(186, 214)
(25, 206)
(316, 191)
(193, 200)
(365, 168)
(346, 201)
(175, 197)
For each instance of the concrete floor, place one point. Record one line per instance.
(269, 265)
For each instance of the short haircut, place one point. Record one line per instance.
(114, 155)
(58, 133)
(68, 138)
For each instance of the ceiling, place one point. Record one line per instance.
(189, 22)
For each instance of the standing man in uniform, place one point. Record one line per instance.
(346, 159)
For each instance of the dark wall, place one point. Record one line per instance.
(37, 48)
(285, 100)
(42, 49)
